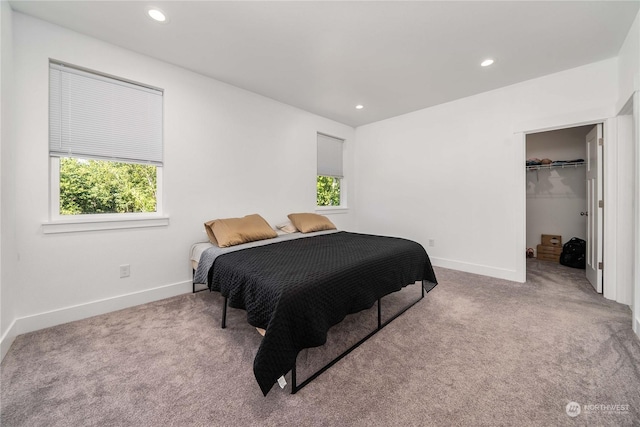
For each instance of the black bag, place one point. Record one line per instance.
(573, 253)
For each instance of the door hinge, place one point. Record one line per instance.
(600, 141)
(600, 266)
(601, 204)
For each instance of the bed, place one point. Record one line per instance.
(296, 286)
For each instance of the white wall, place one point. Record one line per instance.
(629, 85)
(454, 174)
(629, 64)
(556, 197)
(8, 251)
(227, 152)
(624, 199)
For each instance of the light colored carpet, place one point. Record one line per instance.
(476, 351)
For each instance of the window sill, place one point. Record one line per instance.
(332, 209)
(77, 225)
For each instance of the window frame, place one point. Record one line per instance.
(58, 223)
(105, 221)
(343, 195)
(342, 179)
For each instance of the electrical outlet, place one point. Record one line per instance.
(125, 270)
(432, 242)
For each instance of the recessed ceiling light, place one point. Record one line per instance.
(486, 62)
(157, 15)
(359, 107)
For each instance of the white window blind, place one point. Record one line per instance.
(330, 156)
(94, 116)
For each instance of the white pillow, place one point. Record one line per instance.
(287, 227)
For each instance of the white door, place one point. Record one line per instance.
(594, 209)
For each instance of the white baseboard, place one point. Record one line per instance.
(636, 326)
(34, 322)
(7, 339)
(483, 270)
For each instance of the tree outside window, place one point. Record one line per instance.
(328, 191)
(99, 186)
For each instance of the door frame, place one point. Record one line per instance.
(606, 117)
(635, 292)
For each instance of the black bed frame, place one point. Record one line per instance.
(294, 385)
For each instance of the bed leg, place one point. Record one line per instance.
(294, 386)
(224, 313)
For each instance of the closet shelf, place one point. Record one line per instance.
(556, 166)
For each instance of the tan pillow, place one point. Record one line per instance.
(234, 231)
(308, 222)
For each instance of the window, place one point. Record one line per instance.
(105, 145)
(90, 186)
(329, 188)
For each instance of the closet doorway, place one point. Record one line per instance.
(560, 187)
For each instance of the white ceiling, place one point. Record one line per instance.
(325, 57)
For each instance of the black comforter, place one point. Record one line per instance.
(297, 289)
